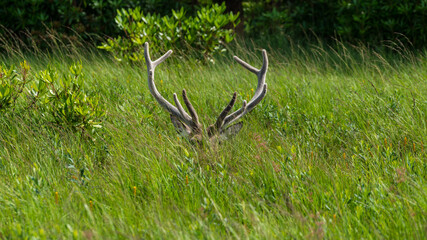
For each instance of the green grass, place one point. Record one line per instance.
(336, 150)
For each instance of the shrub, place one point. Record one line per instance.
(60, 98)
(12, 84)
(206, 32)
(65, 99)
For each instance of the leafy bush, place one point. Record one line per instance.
(64, 98)
(206, 32)
(12, 84)
(60, 98)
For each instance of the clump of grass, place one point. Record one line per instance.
(336, 150)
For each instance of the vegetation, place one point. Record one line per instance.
(58, 99)
(70, 17)
(206, 33)
(369, 21)
(11, 84)
(336, 150)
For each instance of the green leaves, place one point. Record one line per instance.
(60, 98)
(12, 84)
(206, 33)
(67, 102)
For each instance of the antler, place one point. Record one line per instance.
(187, 122)
(225, 120)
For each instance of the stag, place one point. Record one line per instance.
(188, 124)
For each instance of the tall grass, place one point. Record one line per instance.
(336, 150)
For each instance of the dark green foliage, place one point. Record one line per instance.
(351, 20)
(71, 16)
(364, 20)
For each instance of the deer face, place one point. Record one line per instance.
(188, 124)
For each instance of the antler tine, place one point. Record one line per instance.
(178, 104)
(240, 113)
(219, 122)
(156, 62)
(260, 92)
(190, 107)
(246, 65)
(151, 65)
(214, 128)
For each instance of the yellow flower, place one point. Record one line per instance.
(56, 197)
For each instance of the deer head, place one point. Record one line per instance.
(188, 124)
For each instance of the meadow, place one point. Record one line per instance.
(336, 150)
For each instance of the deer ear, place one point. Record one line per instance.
(180, 127)
(231, 131)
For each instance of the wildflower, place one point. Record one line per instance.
(56, 198)
(42, 232)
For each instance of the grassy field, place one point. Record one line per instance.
(336, 150)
